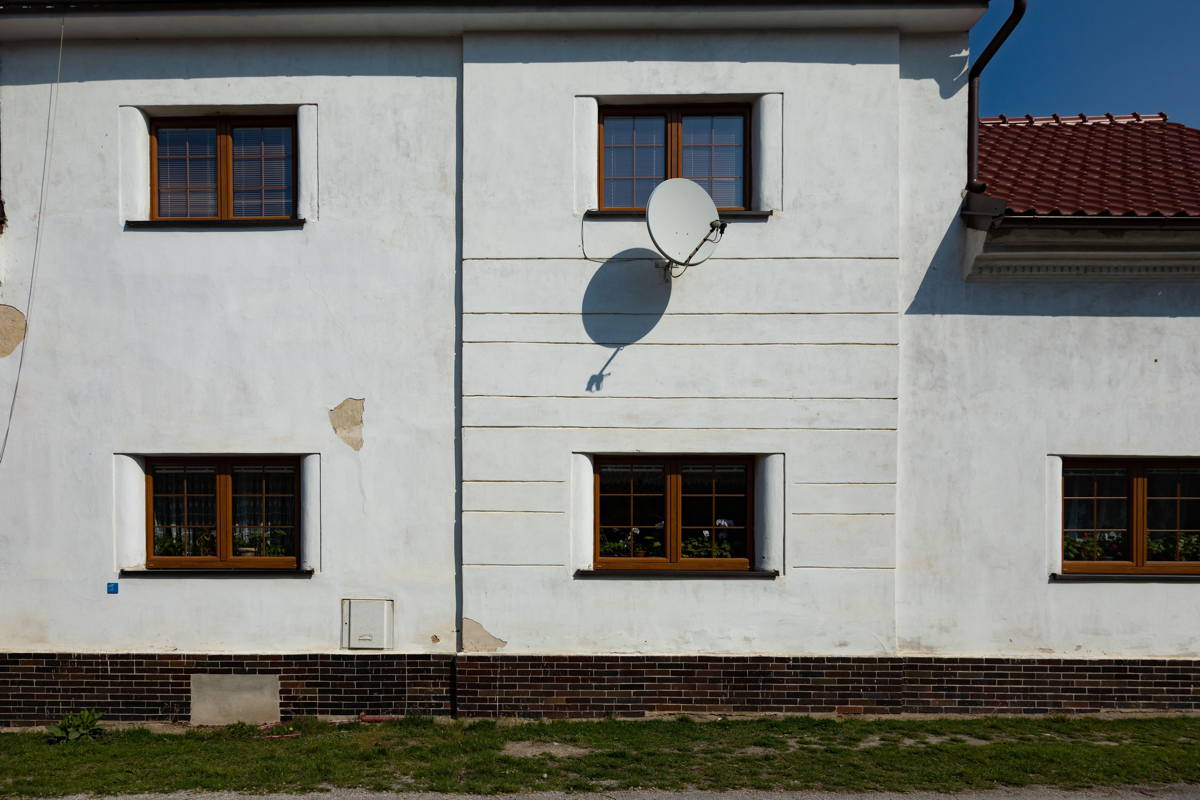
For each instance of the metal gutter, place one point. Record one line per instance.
(59, 7)
(980, 211)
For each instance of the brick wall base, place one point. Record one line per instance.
(36, 688)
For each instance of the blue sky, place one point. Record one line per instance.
(1094, 56)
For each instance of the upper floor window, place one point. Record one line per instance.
(1131, 515)
(682, 512)
(228, 512)
(641, 146)
(223, 168)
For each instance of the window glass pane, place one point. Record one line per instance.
(1162, 483)
(1160, 547)
(1161, 515)
(618, 162)
(649, 510)
(263, 541)
(730, 542)
(643, 190)
(1112, 513)
(649, 478)
(248, 203)
(202, 510)
(1189, 483)
(247, 172)
(277, 203)
(280, 480)
(168, 510)
(727, 162)
(615, 510)
(697, 511)
(618, 194)
(1111, 482)
(172, 173)
(727, 130)
(185, 542)
(247, 480)
(202, 203)
(730, 478)
(697, 543)
(281, 510)
(731, 511)
(1189, 547)
(247, 509)
(649, 162)
(697, 130)
(618, 130)
(696, 478)
(1078, 514)
(696, 162)
(726, 193)
(614, 478)
(1189, 515)
(1097, 546)
(649, 131)
(1078, 484)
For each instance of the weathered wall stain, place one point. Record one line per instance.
(12, 329)
(347, 420)
(476, 639)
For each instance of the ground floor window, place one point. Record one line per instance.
(674, 512)
(223, 512)
(1131, 515)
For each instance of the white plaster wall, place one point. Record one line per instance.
(232, 341)
(784, 344)
(995, 381)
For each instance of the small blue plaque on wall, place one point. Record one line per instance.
(112, 588)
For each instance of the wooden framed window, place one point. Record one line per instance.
(676, 512)
(223, 512)
(1131, 516)
(223, 168)
(641, 146)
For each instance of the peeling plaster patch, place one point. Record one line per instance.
(347, 420)
(476, 639)
(435, 638)
(12, 329)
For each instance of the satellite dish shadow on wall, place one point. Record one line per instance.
(624, 300)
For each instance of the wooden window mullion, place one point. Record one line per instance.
(674, 506)
(224, 482)
(224, 171)
(674, 144)
(1138, 513)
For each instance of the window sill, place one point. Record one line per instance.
(167, 572)
(728, 216)
(657, 574)
(210, 224)
(1119, 577)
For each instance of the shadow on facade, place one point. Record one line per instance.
(624, 300)
(944, 290)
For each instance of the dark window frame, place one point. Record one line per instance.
(1137, 518)
(673, 561)
(224, 519)
(673, 149)
(224, 158)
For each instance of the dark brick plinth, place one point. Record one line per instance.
(40, 687)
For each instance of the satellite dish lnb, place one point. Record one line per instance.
(683, 222)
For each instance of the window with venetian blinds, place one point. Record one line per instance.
(223, 169)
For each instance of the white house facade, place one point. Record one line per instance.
(346, 378)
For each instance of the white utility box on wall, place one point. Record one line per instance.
(366, 624)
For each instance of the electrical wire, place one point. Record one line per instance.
(51, 114)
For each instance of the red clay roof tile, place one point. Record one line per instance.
(1135, 164)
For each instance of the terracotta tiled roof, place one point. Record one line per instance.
(1128, 165)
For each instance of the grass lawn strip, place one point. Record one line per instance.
(790, 753)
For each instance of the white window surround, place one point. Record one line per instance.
(129, 511)
(769, 511)
(134, 146)
(766, 141)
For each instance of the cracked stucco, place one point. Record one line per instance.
(12, 329)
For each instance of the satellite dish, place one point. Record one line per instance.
(683, 222)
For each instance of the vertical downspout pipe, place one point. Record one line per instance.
(973, 182)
